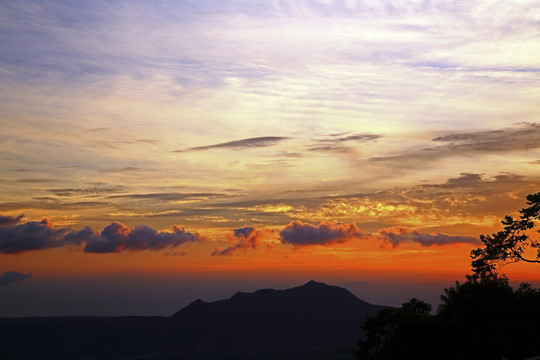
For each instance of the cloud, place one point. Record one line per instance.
(10, 220)
(242, 238)
(472, 181)
(17, 238)
(10, 277)
(169, 196)
(107, 144)
(525, 137)
(335, 142)
(357, 137)
(33, 181)
(398, 235)
(467, 201)
(117, 237)
(93, 189)
(240, 144)
(124, 169)
(32, 235)
(460, 182)
(301, 234)
(148, 141)
(49, 203)
(333, 148)
(522, 137)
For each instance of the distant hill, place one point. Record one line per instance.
(313, 321)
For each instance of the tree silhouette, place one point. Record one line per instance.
(479, 311)
(511, 244)
(480, 319)
(483, 318)
(403, 333)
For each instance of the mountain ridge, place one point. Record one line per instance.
(314, 320)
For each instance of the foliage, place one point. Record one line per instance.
(393, 333)
(480, 311)
(483, 318)
(509, 245)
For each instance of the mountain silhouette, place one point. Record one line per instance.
(313, 321)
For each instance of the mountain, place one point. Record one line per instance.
(313, 316)
(314, 321)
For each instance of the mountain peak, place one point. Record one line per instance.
(198, 302)
(314, 283)
(311, 321)
(314, 315)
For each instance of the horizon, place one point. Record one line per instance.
(154, 152)
(360, 289)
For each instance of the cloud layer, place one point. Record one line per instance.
(521, 137)
(302, 234)
(525, 137)
(10, 277)
(399, 235)
(117, 237)
(327, 233)
(10, 220)
(32, 235)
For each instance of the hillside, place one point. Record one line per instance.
(310, 321)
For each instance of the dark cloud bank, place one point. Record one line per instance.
(18, 237)
(398, 235)
(327, 233)
(10, 277)
(10, 220)
(301, 234)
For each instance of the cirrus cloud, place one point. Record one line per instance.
(255, 142)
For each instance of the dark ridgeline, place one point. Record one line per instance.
(313, 321)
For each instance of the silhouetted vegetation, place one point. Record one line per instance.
(483, 318)
(389, 335)
(511, 244)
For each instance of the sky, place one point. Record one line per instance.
(156, 152)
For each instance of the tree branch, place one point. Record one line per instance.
(527, 260)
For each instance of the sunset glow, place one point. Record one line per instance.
(260, 142)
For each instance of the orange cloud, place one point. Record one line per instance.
(242, 238)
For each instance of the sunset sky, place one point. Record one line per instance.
(156, 152)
